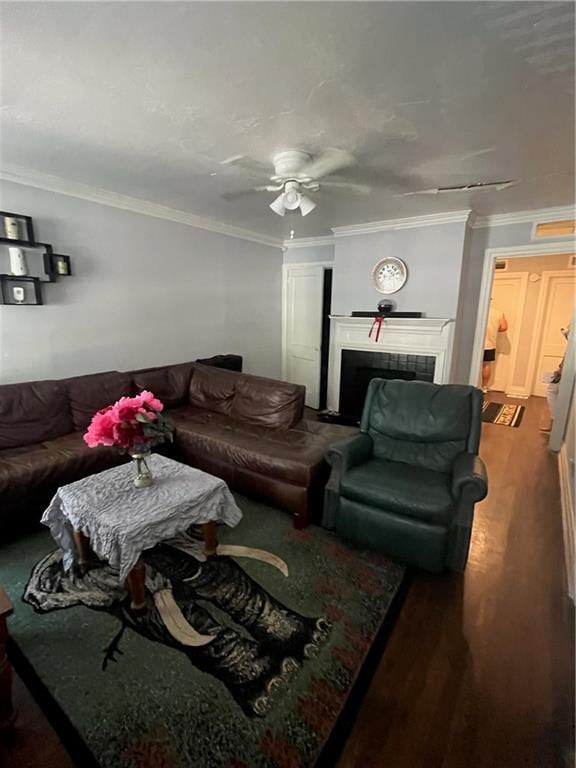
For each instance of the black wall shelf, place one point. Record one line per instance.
(26, 290)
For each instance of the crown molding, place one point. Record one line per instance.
(309, 242)
(538, 215)
(124, 202)
(428, 220)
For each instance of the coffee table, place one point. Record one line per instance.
(104, 513)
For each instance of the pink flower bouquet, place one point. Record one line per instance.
(131, 423)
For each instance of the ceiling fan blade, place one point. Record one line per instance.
(251, 191)
(255, 167)
(330, 161)
(381, 178)
(346, 186)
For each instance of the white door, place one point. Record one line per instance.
(509, 295)
(554, 313)
(304, 286)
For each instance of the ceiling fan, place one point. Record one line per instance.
(295, 173)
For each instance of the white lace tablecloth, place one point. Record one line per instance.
(121, 521)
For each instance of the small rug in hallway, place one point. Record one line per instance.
(503, 413)
(253, 660)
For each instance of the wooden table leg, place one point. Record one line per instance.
(210, 536)
(82, 544)
(136, 583)
(6, 708)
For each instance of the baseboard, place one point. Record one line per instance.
(568, 515)
(517, 394)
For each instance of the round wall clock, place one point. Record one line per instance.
(389, 275)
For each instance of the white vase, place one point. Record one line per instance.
(18, 262)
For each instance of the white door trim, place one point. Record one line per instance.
(522, 277)
(568, 516)
(490, 257)
(538, 330)
(286, 269)
(565, 391)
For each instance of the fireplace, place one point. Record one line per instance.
(407, 348)
(358, 368)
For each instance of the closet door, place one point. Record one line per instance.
(303, 294)
(555, 312)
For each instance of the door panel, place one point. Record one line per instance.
(558, 305)
(508, 294)
(304, 293)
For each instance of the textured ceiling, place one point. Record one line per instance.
(147, 100)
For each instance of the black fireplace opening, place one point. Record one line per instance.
(359, 368)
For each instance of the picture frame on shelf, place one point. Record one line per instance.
(16, 290)
(61, 265)
(16, 229)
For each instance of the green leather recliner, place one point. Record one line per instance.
(407, 484)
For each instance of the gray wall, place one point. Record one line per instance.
(432, 254)
(144, 291)
(312, 253)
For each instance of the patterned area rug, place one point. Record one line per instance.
(254, 660)
(503, 413)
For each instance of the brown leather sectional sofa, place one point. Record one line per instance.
(246, 429)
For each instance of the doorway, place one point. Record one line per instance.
(307, 298)
(530, 310)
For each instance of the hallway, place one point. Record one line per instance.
(479, 669)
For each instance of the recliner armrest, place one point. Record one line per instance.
(342, 456)
(348, 453)
(469, 476)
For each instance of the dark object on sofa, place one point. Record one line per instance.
(246, 429)
(407, 484)
(230, 362)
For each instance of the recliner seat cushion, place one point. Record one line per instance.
(422, 424)
(403, 489)
(33, 412)
(90, 393)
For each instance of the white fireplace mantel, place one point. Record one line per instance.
(413, 336)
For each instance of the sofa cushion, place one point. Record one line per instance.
(267, 403)
(26, 469)
(401, 488)
(170, 383)
(90, 393)
(33, 412)
(85, 460)
(212, 388)
(262, 451)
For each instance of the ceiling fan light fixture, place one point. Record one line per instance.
(278, 205)
(292, 199)
(306, 205)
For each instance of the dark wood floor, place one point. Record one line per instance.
(479, 670)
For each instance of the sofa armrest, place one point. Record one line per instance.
(342, 456)
(469, 477)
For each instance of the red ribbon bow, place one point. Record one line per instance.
(376, 324)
